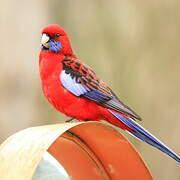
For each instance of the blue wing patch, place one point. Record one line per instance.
(76, 88)
(71, 84)
(97, 96)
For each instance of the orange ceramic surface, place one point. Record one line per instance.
(77, 158)
(93, 151)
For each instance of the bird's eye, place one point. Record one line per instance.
(57, 35)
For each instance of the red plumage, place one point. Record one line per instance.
(51, 65)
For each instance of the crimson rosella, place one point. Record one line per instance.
(74, 89)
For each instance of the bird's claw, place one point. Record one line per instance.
(69, 120)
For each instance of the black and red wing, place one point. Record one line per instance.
(81, 80)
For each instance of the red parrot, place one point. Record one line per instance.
(74, 89)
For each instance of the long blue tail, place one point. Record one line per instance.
(144, 135)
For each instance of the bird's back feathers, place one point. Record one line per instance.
(80, 80)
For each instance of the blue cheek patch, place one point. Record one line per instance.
(54, 46)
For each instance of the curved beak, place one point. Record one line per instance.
(44, 40)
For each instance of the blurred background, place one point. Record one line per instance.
(132, 45)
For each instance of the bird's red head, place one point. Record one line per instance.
(56, 40)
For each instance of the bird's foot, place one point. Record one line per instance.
(70, 120)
